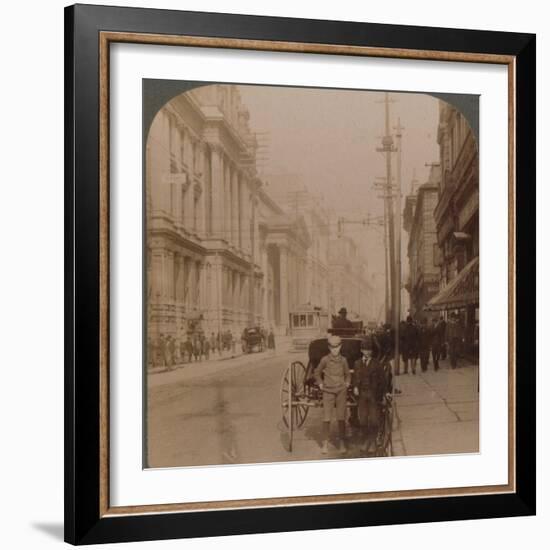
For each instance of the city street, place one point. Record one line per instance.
(228, 411)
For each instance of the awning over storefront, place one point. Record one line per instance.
(462, 291)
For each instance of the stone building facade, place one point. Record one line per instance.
(457, 211)
(200, 217)
(423, 249)
(290, 193)
(221, 254)
(457, 214)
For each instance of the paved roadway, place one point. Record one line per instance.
(228, 412)
(230, 416)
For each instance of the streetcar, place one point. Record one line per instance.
(299, 391)
(307, 323)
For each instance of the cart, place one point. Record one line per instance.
(299, 392)
(252, 339)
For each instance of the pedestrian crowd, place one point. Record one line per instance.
(168, 352)
(419, 339)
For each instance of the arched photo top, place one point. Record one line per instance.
(157, 93)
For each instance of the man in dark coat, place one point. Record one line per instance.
(170, 351)
(402, 344)
(410, 345)
(271, 339)
(213, 343)
(455, 337)
(341, 323)
(442, 327)
(189, 349)
(424, 344)
(197, 348)
(437, 343)
(369, 385)
(206, 347)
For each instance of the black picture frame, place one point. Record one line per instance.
(84, 523)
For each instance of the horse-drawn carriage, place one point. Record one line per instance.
(300, 392)
(253, 339)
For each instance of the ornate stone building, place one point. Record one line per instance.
(221, 254)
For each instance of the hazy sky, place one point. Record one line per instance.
(329, 138)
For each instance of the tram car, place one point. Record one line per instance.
(307, 323)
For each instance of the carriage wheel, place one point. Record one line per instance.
(292, 387)
(386, 446)
(295, 372)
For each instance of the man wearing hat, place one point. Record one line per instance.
(455, 337)
(342, 321)
(333, 377)
(369, 385)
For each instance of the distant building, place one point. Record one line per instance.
(422, 250)
(290, 193)
(349, 283)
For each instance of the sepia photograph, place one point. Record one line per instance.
(311, 274)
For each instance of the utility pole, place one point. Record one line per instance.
(386, 263)
(388, 149)
(381, 183)
(397, 315)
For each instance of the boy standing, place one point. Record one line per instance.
(333, 377)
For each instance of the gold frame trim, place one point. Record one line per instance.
(105, 39)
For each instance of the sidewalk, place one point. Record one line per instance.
(438, 412)
(216, 363)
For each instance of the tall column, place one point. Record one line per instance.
(227, 201)
(265, 269)
(256, 220)
(234, 208)
(189, 207)
(246, 218)
(201, 226)
(217, 293)
(190, 274)
(241, 217)
(201, 289)
(155, 276)
(226, 297)
(198, 294)
(187, 283)
(201, 229)
(234, 296)
(176, 194)
(283, 281)
(217, 190)
(178, 268)
(244, 300)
